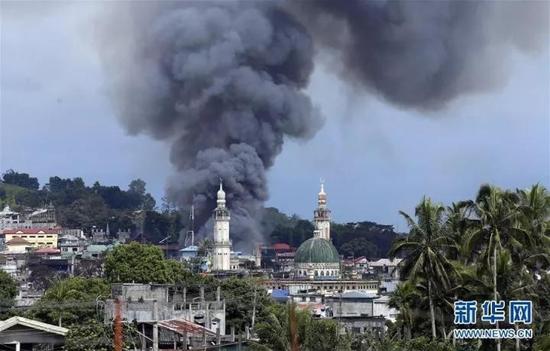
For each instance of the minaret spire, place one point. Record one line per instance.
(322, 214)
(222, 245)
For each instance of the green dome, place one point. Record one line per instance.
(317, 250)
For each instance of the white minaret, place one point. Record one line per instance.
(322, 215)
(222, 245)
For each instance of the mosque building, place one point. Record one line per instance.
(317, 258)
(221, 252)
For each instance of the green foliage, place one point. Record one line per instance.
(497, 246)
(239, 296)
(359, 247)
(95, 336)
(141, 263)
(80, 206)
(91, 336)
(8, 290)
(71, 301)
(20, 179)
(158, 226)
(311, 334)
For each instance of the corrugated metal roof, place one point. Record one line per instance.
(182, 326)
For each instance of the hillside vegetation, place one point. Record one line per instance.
(81, 206)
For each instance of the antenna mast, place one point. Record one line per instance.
(192, 218)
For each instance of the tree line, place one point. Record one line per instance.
(495, 247)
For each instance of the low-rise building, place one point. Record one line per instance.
(294, 286)
(36, 237)
(188, 253)
(18, 245)
(43, 217)
(385, 268)
(10, 219)
(145, 303)
(71, 245)
(95, 251)
(357, 311)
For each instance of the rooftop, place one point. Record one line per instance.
(32, 231)
(30, 323)
(385, 262)
(18, 241)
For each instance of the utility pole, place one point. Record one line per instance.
(117, 327)
(254, 309)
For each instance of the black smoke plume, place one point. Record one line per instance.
(423, 54)
(223, 81)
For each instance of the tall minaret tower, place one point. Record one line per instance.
(322, 215)
(222, 246)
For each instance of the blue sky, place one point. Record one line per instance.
(376, 159)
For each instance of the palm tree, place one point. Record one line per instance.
(423, 251)
(495, 228)
(534, 207)
(403, 298)
(61, 294)
(457, 226)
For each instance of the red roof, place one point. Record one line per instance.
(47, 250)
(281, 247)
(18, 241)
(32, 231)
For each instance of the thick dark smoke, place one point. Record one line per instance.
(223, 81)
(423, 54)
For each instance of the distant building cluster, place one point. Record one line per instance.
(354, 291)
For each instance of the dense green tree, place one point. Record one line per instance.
(97, 336)
(284, 328)
(71, 301)
(141, 263)
(241, 295)
(20, 179)
(423, 250)
(8, 290)
(359, 247)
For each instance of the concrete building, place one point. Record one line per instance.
(10, 219)
(357, 311)
(326, 287)
(96, 251)
(43, 217)
(221, 252)
(188, 253)
(385, 268)
(71, 245)
(145, 303)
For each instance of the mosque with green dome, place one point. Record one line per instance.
(317, 258)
